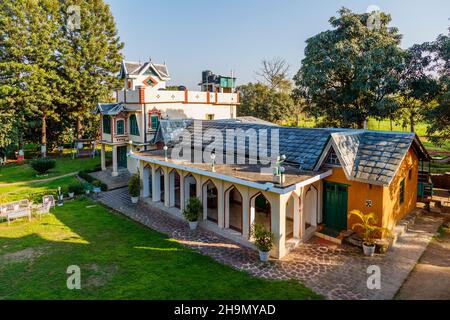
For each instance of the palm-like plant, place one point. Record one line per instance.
(368, 225)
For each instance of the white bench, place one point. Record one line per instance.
(15, 210)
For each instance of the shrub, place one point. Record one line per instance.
(87, 186)
(263, 238)
(134, 186)
(368, 226)
(76, 188)
(88, 178)
(42, 165)
(96, 184)
(193, 209)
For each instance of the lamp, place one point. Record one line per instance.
(165, 148)
(213, 162)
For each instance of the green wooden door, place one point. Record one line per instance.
(335, 206)
(122, 157)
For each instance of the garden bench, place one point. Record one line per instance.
(15, 210)
(48, 202)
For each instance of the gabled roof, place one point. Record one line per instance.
(368, 156)
(132, 68)
(110, 109)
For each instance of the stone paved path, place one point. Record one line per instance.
(337, 272)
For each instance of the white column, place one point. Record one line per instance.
(245, 213)
(278, 214)
(302, 212)
(103, 157)
(220, 205)
(166, 188)
(182, 201)
(296, 215)
(156, 195)
(115, 171)
(145, 177)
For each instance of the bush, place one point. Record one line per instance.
(76, 188)
(134, 186)
(88, 178)
(193, 209)
(263, 238)
(42, 165)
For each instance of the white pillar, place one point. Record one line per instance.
(220, 205)
(296, 215)
(145, 174)
(278, 215)
(156, 195)
(245, 213)
(166, 188)
(115, 171)
(302, 212)
(103, 157)
(182, 201)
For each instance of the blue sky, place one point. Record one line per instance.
(191, 36)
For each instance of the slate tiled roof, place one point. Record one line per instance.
(132, 67)
(367, 156)
(162, 70)
(110, 109)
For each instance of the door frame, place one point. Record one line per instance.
(340, 210)
(119, 164)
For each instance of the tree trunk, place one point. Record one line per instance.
(79, 128)
(413, 124)
(44, 135)
(390, 123)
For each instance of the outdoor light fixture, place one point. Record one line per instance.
(60, 197)
(165, 153)
(213, 162)
(278, 170)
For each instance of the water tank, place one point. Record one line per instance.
(205, 75)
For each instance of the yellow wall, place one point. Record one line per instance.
(358, 193)
(385, 200)
(393, 210)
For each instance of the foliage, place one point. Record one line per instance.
(43, 165)
(76, 188)
(368, 226)
(263, 237)
(274, 73)
(350, 73)
(88, 178)
(134, 186)
(260, 101)
(439, 116)
(193, 209)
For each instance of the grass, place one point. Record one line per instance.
(119, 259)
(24, 172)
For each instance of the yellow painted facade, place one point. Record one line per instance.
(385, 200)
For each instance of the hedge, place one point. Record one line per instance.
(87, 177)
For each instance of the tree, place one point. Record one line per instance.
(89, 62)
(260, 101)
(350, 73)
(439, 116)
(274, 73)
(418, 87)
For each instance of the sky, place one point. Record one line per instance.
(195, 35)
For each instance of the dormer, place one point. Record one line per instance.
(147, 74)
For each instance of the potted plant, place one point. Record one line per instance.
(87, 188)
(134, 188)
(263, 241)
(192, 212)
(96, 186)
(368, 230)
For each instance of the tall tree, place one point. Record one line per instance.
(418, 86)
(274, 73)
(260, 101)
(90, 60)
(439, 116)
(351, 72)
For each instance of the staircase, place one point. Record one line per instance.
(425, 185)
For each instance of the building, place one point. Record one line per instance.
(216, 83)
(130, 123)
(327, 173)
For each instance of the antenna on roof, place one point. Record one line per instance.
(150, 59)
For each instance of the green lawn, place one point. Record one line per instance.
(24, 172)
(119, 259)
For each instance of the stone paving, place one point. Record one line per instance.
(337, 272)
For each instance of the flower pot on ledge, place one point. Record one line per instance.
(134, 200)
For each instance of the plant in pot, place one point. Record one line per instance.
(263, 241)
(87, 188)
(368, 229)
(192, 212)
(75, 189)
(96, 187)
(134, 188)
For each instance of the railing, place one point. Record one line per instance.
(150, 95)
